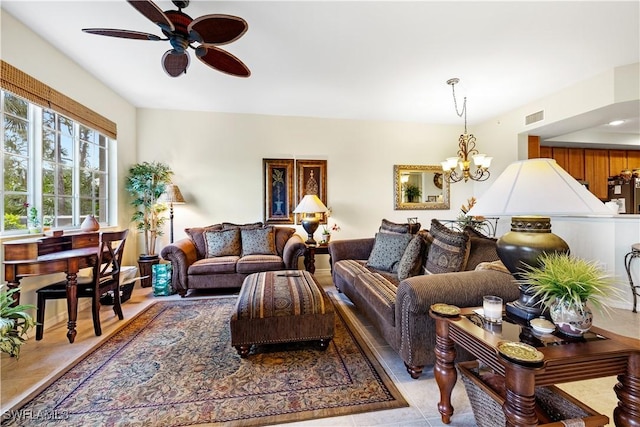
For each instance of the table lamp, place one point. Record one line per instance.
(310, 205)
(532, 191)
(173, 196)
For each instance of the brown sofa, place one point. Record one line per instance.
(437, 266)
(222, 255)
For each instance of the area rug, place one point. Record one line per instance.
(173, 365)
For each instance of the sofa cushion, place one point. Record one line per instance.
(223, 242)
(197, 236)
(258, 241)
(256, 263)
(387, 251)
(449, 250)
(215, 265)
(283, 234)
(349, 269)
(380, 293)
(393, 227)
(411, 261)
(482, 248)
(247, 226)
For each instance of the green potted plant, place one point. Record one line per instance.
(412, 192)
(565, 284)
(15, 322)
(145, 184)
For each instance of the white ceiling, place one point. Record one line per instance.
(380, 60)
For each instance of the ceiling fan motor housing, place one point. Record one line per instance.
(180, 4)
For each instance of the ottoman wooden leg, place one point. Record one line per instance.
(243, 350)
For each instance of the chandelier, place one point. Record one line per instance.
(458, 168)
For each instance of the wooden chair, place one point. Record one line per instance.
(106, 277)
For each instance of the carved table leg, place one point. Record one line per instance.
(519, 406)
(310, 259)
(72, 305)
(444, 369)
(627, 413)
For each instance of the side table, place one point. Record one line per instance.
(601, 354)
(310, 256)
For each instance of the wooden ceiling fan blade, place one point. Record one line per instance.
(153, 13)
(125, 34)
(222, 61)
(217, 29)
(175, 63)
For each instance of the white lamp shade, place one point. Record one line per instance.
(172, 195)
(310, 204)
(537, 187)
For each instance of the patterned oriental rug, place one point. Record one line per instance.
(173, 365)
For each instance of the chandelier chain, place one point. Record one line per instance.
(464, 106)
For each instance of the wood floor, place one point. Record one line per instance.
(41, 362)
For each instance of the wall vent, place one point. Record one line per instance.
(535, 117)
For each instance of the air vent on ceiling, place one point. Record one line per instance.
(535, 117)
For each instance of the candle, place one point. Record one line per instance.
(492, 307)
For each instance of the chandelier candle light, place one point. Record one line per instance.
(467, 149)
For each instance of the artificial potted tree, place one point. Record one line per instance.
(145, 183)
(15, 322)
(565, 284)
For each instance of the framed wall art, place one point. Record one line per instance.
(278, 191)
(311, 179)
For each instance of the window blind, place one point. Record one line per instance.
(22, 84)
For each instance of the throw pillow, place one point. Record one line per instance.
(411, 260)
(449, 250)
(259, 241)
(222, 242)
(482, 248)
(197, 237)
(393, 227)
(387, 250)
(251, 225)
(494, 265)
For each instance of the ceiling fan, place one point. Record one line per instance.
(182, 32)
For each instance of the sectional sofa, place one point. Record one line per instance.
(396, 276)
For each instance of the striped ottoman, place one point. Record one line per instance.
(281, 306)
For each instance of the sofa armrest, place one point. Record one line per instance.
(350, 249)
(293, 249)
(416, 294)
(181, 254)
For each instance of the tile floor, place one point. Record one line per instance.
(42, 362)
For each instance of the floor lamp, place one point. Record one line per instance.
(173, 196)
(531, 191)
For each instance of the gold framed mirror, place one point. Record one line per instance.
(420, 187)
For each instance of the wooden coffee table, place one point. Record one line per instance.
(600, 354)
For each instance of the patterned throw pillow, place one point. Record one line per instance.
(197, 237)
(387, 251)
(448, 251)
(393, 227)
(411, 260)
(222, 242)
(482, 248)
(259, 241)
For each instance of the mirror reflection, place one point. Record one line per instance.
(420, 187)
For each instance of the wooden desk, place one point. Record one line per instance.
(580, 360)
(47, 255)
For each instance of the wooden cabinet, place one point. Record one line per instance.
(575, 163)
(617, 161)
(633, 159)
(596, 167)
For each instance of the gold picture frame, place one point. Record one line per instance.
(278, 190)
(311, 179)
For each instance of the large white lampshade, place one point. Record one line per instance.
(310, 205)
(532, 191)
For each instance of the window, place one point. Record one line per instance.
(53, 163)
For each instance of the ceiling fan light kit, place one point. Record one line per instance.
(182, 32)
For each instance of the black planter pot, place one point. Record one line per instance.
(145, 263)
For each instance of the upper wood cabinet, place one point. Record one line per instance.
(596, 166)
(617, 161)
(576, 163)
